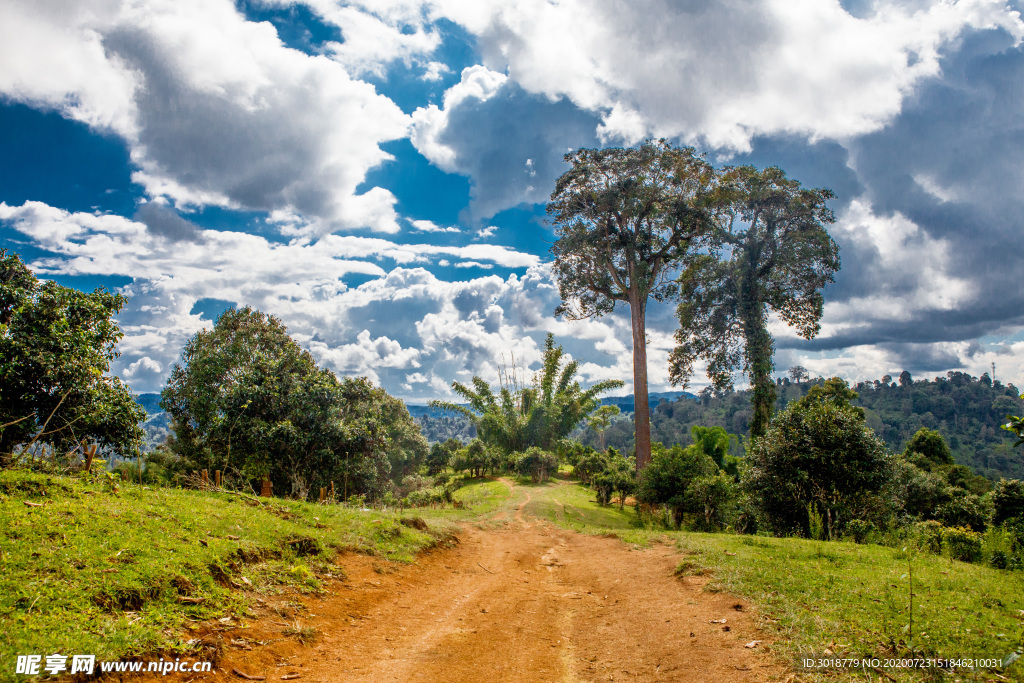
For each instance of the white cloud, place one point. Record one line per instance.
(214, 108)
(431, 122)
(722, 72)
(430, 226)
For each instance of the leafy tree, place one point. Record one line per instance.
(1008, 500)
(666, 480)
(624, 219)
(601, 419)
(56, 345)
(441, 454)
(711, 496)
(518, 418)
(247, 399)
(798, 373)
(965, 510)
(590, 465)
(777, 257)
(928, 450)
(536, 464)
(475, 457)
(714, 441)
(817, 452)
(1015, 425)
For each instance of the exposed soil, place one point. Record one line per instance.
(521, 601)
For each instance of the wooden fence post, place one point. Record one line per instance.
(323, 493)
(216, 477)
(90, 453)
(268, 488)
(204, 476)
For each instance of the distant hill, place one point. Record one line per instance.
(967, 411)
(150, 403)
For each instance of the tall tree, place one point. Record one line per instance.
(624, 219)
(56, 345)
(775, 256)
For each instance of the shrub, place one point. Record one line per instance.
(962, 544)
(928, 536)
(817, 451)
(860, 530)
(1008, 500)
(671, 471)
(536, 464)
(475, 458)
(441, 455)
(965, 510)
(589, 465)
(618, 476)
(712, 497)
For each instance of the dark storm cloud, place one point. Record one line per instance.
(951, 164)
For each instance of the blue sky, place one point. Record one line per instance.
(374, 173)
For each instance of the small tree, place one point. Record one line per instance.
(517, 417)
(798, 373)
(666, 480)
(601, 419)
(441, 455)
(536, 464)
(711, 496)
(1008, 501)
(624, 219)
(56, 346)
(927, 449)
(818, 452)
(475, 457)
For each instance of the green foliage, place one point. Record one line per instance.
(518, 418)
(1008, 501)
(441, 455)
(618, 476)
(247, 400)
(56, 346)
(818, 451)
(965, 509)
(778, 257)
(666, 480)
(601, 419)
(589, 465)
(962, 544)
(476, 458)
(930, 445)
(624, 219)
(711, 496)
(1015, 425)
(714, 441)
(536, 463)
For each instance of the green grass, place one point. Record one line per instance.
(850, 599)
(119, 574)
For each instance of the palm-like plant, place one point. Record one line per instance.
(518, 417)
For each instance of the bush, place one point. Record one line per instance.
(712, 497)
(859, 530)
(965, 510)
(441, 455)
(618, 476)
(928, 536)
(589, 465)
(962, 544)
(536, 464)
(476, 458)
(668, 476)
(1008, 500)
(817, 451)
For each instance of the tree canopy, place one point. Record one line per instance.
(56, 346)
(624, 219)
(247, 399)
(773, 255)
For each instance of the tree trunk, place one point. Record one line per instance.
(641, 409)
(759, 355)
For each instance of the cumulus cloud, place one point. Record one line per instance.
(214, 108)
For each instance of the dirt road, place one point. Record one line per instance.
(522, 601)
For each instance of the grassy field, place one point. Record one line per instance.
(834, 598)
(86, 569)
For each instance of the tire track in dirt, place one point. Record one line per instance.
(528, 602)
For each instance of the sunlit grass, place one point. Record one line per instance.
(848, 599)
